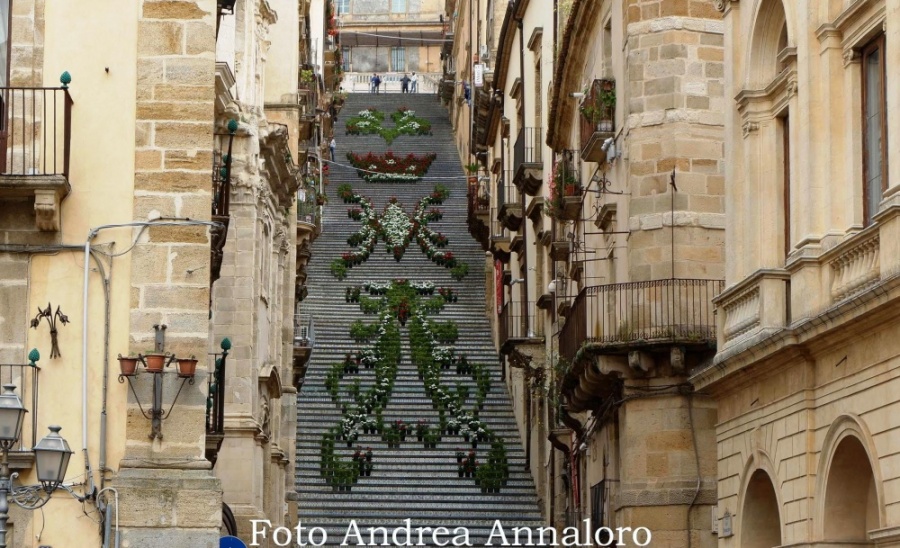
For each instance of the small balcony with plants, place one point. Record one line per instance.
(499, 237)
(566, 192)
(598, 115)
(478, 212)
(528, 167)
(35, 134)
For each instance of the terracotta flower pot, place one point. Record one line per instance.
(187, 367)
(155, 362)
(128, 366)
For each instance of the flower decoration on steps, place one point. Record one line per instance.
(390, 168)
(365, 397)
(370, 122)
(397, 230)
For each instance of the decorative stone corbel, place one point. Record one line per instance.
(851, 56)
(46, 210)
(723, 5)
(749, 127)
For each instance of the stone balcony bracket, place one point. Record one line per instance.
(48, 192)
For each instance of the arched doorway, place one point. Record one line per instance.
(851, 502)
(761, 523)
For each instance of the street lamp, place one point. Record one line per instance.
(51, 456)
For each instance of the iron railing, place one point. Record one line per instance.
(307, 209)
(35, 130)
(479, 196)
(598, 110)
(674, 309)
(498, 231)
(517, 321)
(509, 193)
(304, 330)
(25, 378)
(527, 149)
(215, 399)
(568, 170)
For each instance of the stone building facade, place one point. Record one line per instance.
(597, 191)
(168, 143)
(805, 373)
(390, 37)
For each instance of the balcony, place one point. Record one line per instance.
(35, 132)
(568, 192)
(499, 237)
(510, 203)
(479, 211)
(304, 341)
(215, 402)
(598, 115)
(528, 175)
(220, 208)
(518, 324)
(617, 318)
(309, 220)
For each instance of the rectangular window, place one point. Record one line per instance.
(345, 58)
(598, 514)
(874, 126)
(398, 6)
(342, 7)
(398, 59)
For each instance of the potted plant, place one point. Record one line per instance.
(128, 365)
(187, 367)
(154, 361)
(607, 101)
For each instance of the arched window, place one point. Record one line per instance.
(760, 518)
(851, 502)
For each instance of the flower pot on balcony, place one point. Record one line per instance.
(155, 361)
(128, 366)
(187, 367)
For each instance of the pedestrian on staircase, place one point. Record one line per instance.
(414, 88)
(332, 146)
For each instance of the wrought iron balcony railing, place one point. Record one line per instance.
(215, 402)
(641, 313)
(35, 130)
(527, 161)
(598, 119)
(304, 330)
(518, 322)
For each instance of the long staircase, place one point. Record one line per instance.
(408, 482)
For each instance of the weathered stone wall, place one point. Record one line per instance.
(169, 275)
(674, 101)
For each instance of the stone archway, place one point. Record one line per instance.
(851, 499)
(760, 518)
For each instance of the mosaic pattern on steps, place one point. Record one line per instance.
(391, 168)
(370, 121)
(397, 230)
(401, 302)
